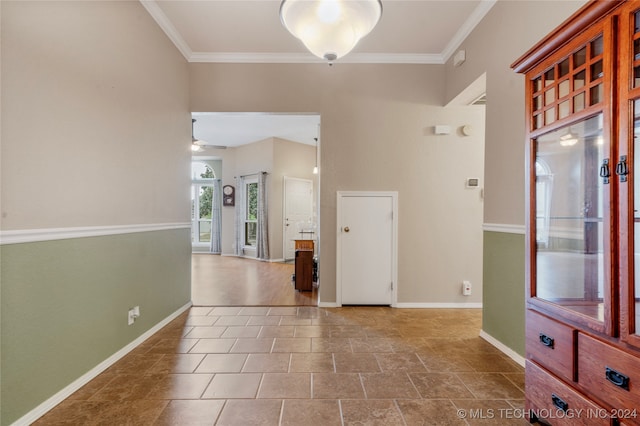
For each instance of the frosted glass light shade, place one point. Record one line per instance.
(330, 28)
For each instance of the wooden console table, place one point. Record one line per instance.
(304, 265)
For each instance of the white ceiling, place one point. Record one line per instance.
(234, 129)
(410, 31)
(250, 31)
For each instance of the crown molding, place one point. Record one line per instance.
(237, 57)
(392, 58)
(165, 24)
(463, 32)
(307, 58)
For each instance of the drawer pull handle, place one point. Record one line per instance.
(559, 403)
(616, 378)
(546, 340)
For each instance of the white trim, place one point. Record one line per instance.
(503, 348)
(308, 58)
(60, 396)
(165, 24)
(393, 58)
(439, 305)
(290, 180)
(394, 243)
(499, 227)
(470, 93)
(463, 32)
(174, 35)
(50, 234)
(328, 305)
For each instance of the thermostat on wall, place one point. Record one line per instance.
(472, 182)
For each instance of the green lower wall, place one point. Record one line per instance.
(64, 306)
(503, 289)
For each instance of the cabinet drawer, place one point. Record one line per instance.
(609, 374)
(551, 344)
(552, 401)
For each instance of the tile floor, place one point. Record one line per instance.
(306, 366)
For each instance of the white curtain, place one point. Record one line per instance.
(262, 249)
(240, 214)
(216, 218)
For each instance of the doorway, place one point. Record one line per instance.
(297, 214)
(281, 147)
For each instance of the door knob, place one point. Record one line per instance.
(346, 229)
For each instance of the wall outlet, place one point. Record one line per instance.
(466, 288)
(133, 315)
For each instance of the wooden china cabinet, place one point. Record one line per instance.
(583, 218)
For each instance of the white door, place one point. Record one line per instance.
(367, 247)
(298, 213)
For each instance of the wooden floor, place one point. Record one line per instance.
(233, 281)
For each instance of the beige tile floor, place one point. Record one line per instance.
(306, 366)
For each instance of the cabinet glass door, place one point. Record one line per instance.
(634, 293)
(571, 225)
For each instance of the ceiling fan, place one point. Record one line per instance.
(198, 145)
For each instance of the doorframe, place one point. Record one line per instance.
(394, 239)
(284, 208)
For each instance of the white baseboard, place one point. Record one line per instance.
(439, 305)
(56, 399)
(416, 305)
(503, 348)
(328, 305)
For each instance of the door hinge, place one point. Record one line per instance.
(391, 285)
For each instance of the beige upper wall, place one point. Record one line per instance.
(88, 139)
(507, 31)
(377, 134)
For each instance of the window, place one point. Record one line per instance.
(251, 218)
(201, 202)
(201, 171)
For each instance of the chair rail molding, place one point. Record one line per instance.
(48, 234)
(504, 228)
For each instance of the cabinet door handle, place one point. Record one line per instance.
(546, 340)
(622, 169)
(559, 402)
(617, 378)
(605, 173)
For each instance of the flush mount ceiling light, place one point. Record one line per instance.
(568, 140)
(330, 28)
